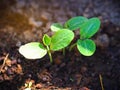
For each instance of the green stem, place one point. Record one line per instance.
(72, 46)
(49, 53)
(64, 51)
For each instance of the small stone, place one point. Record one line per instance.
(102, 41)
(19, 61)
(18, 44)
(45, 79)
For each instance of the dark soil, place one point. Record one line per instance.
(23, 21)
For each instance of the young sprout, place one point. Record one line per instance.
(62, 37)
(36, 50)
(87, 27)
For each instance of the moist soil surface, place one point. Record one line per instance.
(23, 21)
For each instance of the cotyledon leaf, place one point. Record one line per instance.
(33, 50)
(46, 40)
(56, 26)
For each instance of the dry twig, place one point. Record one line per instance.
(6, 57)
(101, 81)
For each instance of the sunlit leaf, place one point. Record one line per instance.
(56, 26)
(61, 39)
(46, 40)
(89, 28)
(86, 47)
(33, 50)
(75, 22)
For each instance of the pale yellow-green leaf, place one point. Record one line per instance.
(33, 50)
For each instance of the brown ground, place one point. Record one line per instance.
(23, 21)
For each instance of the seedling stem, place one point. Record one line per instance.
(72, 46)
(49, 53)
(64, 51)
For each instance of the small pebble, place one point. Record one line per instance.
(18, 44)
(102, 41)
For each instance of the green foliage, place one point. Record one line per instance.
(86, 47)
(33, 50)
(56, 26)
(89, 28)
(61, 39)
(46, 40)
(75, 22)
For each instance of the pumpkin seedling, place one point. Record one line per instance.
(62, 38)
(87, 27)
(36, 50)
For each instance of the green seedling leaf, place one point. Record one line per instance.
(89, 28)
(56, 26)
(46, 40)
(86, 47)
(33, 50)
(75, 22)
(61, 39)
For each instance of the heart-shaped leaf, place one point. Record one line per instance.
(33, 50)
(61, 39)
(89, 28)
(46, 40)
(86, 47)
(56, 26)
(75, 22)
